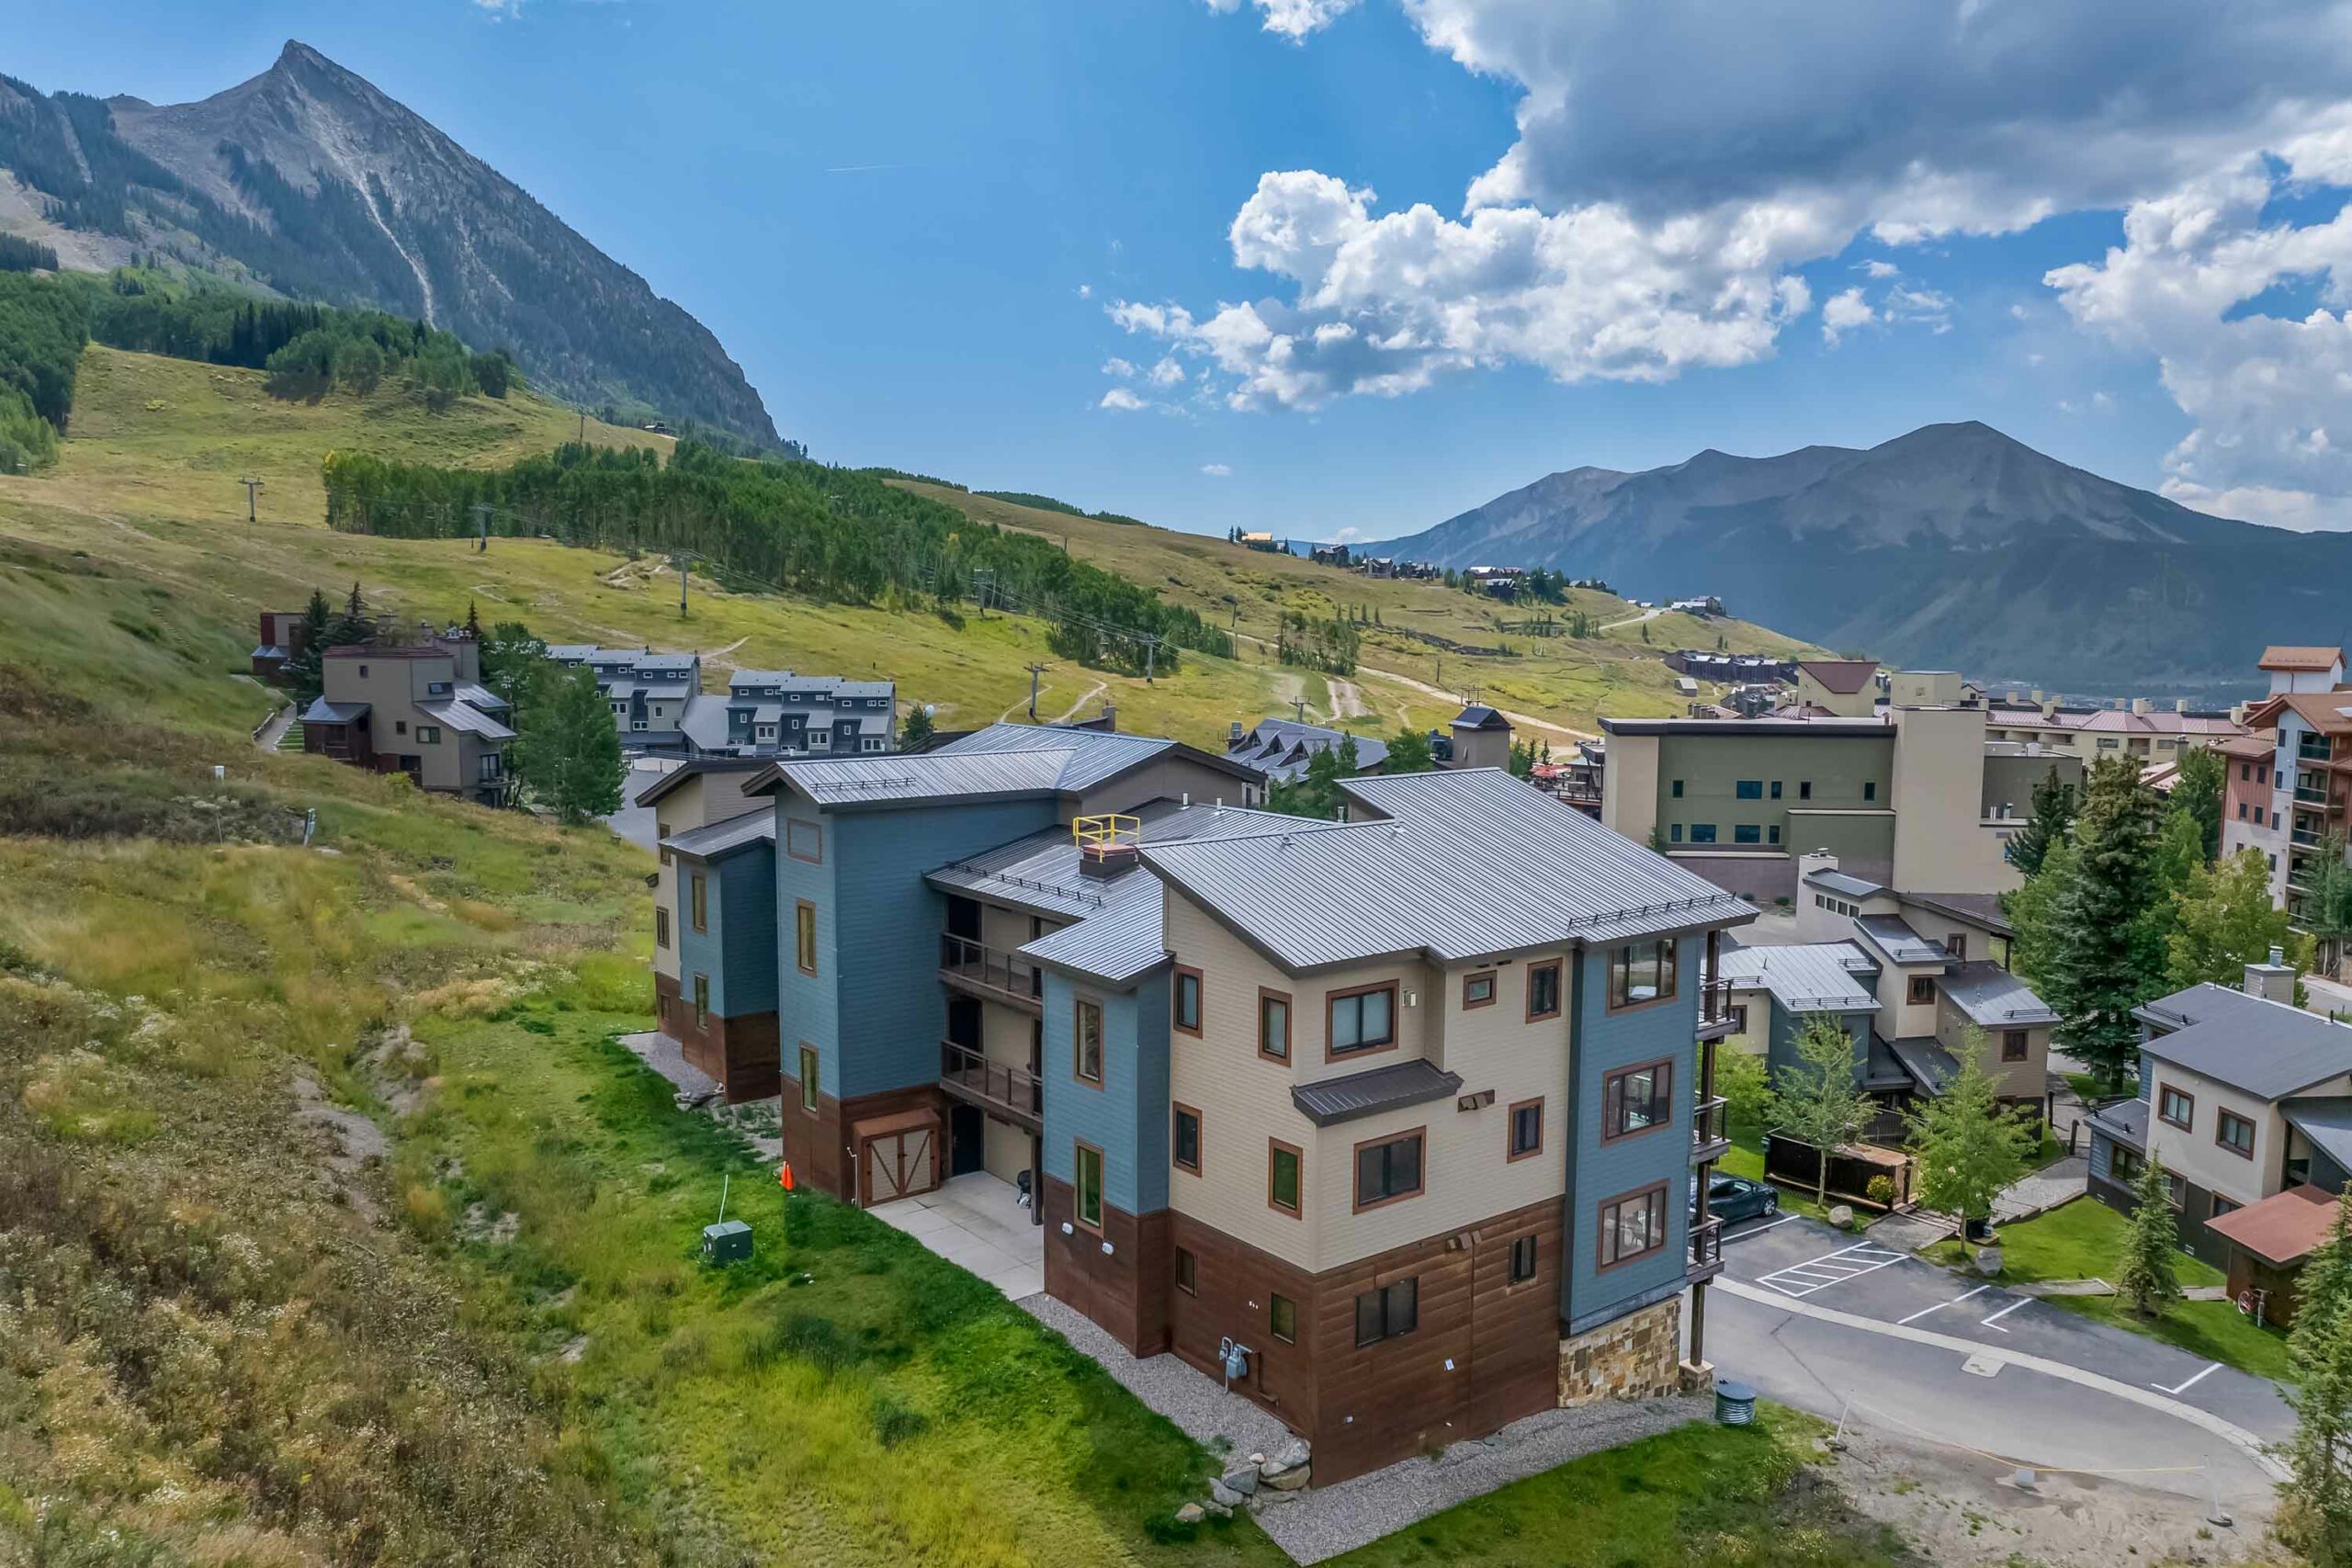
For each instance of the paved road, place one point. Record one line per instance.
(1836, 1324)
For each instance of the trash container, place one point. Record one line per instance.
(1734, 1405)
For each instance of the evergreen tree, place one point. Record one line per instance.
(2103, 953)
(353, 626)
(2053, 813)
(510, 661)
(2198, 789)
(2315, 1502)
(1408, 752)
(1818, 1097)
(2145, 1275)
(2326, 909)
(917, 731)
(1968, 1145)
(569, 753)
(473, 622)
(2223, 922)
(303, 672)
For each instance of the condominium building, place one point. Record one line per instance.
(648, 692)
(1393, 1122)
(773, 712)
(1281, 749)
(2309, 715)
(415, 708)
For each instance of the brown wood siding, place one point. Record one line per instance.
(817, 1148)
(1235, 1286)
(1127, 1290)
(740, 1054)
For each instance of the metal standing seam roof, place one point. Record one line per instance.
(1838, 882)
(1977, 908)
(321, 711)
(2326, 1121)
(1281, 748)
(467, 717)
(1893, 935)
(887, 779)
(1473, 862)
(1094, 755)
(1923, 1056)
(1392, 1087)
(1993, 997)
(1820, 976)
(722, 838)
(2125, 1121)
(2267, 1049)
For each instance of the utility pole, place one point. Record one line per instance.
(583, 427)
(682, 588)
(481, 522)
(1298, 707)
(252, 486)
(1034, 670)
(1150, 653)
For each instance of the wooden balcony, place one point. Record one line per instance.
(1012, 1093)
(1710, 1129)
(1706, 1249)
(991, 975)
(1716, 1019)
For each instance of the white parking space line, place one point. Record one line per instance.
(2193, 1381)
(1760, 1230)
(1830, 1269)
(1941, 1305)
(1994, 1321)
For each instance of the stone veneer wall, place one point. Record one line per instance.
(1638, 1357)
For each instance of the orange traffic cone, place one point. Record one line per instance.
(784, 1176)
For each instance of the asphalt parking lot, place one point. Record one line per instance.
(1834, 1324)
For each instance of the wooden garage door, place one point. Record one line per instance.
(898, 1165)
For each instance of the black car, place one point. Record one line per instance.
(1737, 1197)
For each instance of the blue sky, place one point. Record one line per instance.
(912, 223)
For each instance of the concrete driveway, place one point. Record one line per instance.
(1841, 1326)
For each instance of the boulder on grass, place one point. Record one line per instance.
(1191, 1514)
(1842, 1216)
(1224, 1497)
(1244, 1480)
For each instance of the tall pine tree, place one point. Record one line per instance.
(2053, 812)
(2104, 952)
(569, 753)
(2145, 1273)
(2315, 1503)
(2198, 790)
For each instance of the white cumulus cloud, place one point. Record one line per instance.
(1293, 19)
(1216, 470)
(1842, 313)
(1123, 368)
(1167, 373)
(1120, 399)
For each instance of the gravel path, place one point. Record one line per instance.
(1324, 1521)
(1188, 1397)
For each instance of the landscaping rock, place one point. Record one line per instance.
(1191, 1514)
(1989, 1260)
(1291, 1454)
(1842, 1216)
(1220, 1510)
(1291, 1480)
(1242, 1480)
(1224, 1497)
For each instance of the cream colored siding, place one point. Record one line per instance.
(1629, 796)
(2207, 1163)
(1898, 1017)
(1756, 1039)
(1005, 1150)
(2029, 1079)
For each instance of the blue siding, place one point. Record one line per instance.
(880, 934)
(737, 950)
(1128, 1117)
(807, 1010)
(1600, 1043)
(2101, 1164)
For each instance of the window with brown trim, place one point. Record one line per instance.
(2176, 1107)
(1478, 989)
(1274, 1024)
(1526, 1129)
(1184, 1139)
(1283, 1177)
(1634, 1100)
(1086, 1187)
(698, 900)
(1185, 1001)
(1522, 1259)
(2234, 1133)
(1544, 990)
(1392, 1310)
(661, 836)
(1362, 1018)
(804, 840)
(1633, 1226)
(1921, 992)
(1388, 1170)
(809, 1079)
(2013, 1045)
(1641, 972)
(1188, 1272)
(660, 928)
(1086, 1040)
(1282, 1319)
(803, 936)
(702, 1000)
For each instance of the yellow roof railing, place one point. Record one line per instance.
(1105, 831)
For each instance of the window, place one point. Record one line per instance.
(1957, 945)
(1526, 1129)
(1703, 832)
(1749, 789)
(1522, 1261)
(1634, 1100)
(1776, 789)
(1282, 1319)
(804, 840)
(1281, 1176)
(660, 928)
(1678, 784)
(1544, 990)
(400, 727)
(2222, 1206)
(803, 936)
(1188, 1273)
(1920, 990)
(2123, 1165)
(1747, 833)
(809, 1079)
(1362, 1020)
(662, 833)
(428, 734)
(1739, 1018)
(1479, 990)
(1388, 1311)
(1870, 789)
(2234, 1133)
(702, 1000)
(1674, 834)
(1185, 1001)
(1633, 1226)
(1089, 1194)
(1804, 789)
(2176, 1189)
(2241, 810)
(1772, 834)
(700, 901)
(2245, 774)
(1388, 1170)
(1641, 972)
(1274, 1025)
(1186, 1140)
(1086, 1041)
(2013, 1047)
(2176, 1107)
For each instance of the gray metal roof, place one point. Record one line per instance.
(1993, 997)
(479, 696)
(1822, 977)
(703, 721)
(1472, 862)
(321, 711)
(1924, 1057)
(1478, 716)
(1839, 883)
(850, 782)
(1094, 755)
(722, 838)
(2267, 1049)
(1281, 748)
(467, 717)
(1369, 1093)
(1976, 908)
(2126, 1121)
(2326, 1121)
(1893, 935)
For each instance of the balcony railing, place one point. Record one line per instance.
(2311, 795)
(1014, 1093)
(1710, 1128)
(1706, 1248)
(1716, 1019)
(2310, 837)
(1001, 976)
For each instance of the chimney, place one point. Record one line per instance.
(2140, 706)
(2273, 980)
(1233, 735)
(2180, 704)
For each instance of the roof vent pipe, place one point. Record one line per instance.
(1185, 801)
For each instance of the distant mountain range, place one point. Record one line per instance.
(309, 181)
(1951, 547)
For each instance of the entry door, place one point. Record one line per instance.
(898, 1164)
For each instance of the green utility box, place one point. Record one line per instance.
(728, 1241)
